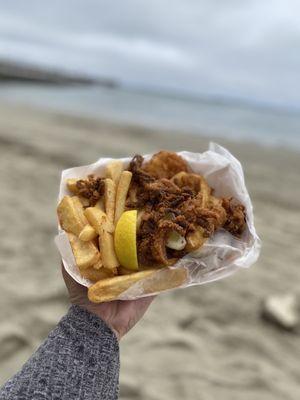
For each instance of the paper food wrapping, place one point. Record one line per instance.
(220, 256)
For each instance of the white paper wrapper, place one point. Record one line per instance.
(222, 255)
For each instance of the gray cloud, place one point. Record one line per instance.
(234, 48)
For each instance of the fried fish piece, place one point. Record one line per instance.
(71, 215)
(165, 164)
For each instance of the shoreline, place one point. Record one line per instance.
(18, 72)
(88, 122)
(126, 107)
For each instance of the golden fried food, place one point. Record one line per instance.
(235, 216)
(110, 199)
(182, 204)
(72, 185)
(100, 204)
(167, 278)
(91, 188)
(194, 182)
(96, 275)
(71, 215)
(124, 271)
(106, 243)
(85, 202)
(165, 164)
(88, 233)
(122, 191)
(99, 263)
(109, 289)
(86, 253)
(195, 239)
(97, 219)
(176, 214)
(113, 170)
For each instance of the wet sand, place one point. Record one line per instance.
(204, 342)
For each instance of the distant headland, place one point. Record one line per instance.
(11, 72)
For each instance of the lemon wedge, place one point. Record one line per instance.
(125, 240)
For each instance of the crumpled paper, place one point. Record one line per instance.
(219, 257)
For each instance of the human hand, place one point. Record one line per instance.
(119, 315)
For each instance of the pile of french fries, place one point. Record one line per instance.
(91, 229)
(91, 234)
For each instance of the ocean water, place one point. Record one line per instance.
(250, 123)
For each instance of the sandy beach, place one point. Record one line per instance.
(206, 342)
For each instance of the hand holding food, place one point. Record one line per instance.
(131, 222)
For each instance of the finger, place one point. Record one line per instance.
(144, 302)
(71, 284)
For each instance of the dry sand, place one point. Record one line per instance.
(205, 342)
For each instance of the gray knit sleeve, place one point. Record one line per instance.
(78, 360)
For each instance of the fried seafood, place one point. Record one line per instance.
(165, 164)
(91, 188)
(174, 200)
(194, 182)
(235, 216)
(176, 212)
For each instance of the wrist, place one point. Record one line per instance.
(101, 311)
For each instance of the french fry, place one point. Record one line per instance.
(110, 199)
(88, 233)
(99, 264)
(124, 271)
(114, 271)
(121, 195)
(95, 275)
(165, 279)
(109, 289)
(100, 204)
(106, 243)
(71, 185)
(98, 220)
(86, 253)
(113, 170)
(84, 201)
(70, 214)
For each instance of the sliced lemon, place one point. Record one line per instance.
(125, 240)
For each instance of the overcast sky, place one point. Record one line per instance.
(239, 48)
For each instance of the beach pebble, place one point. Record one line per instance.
(283, 310)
